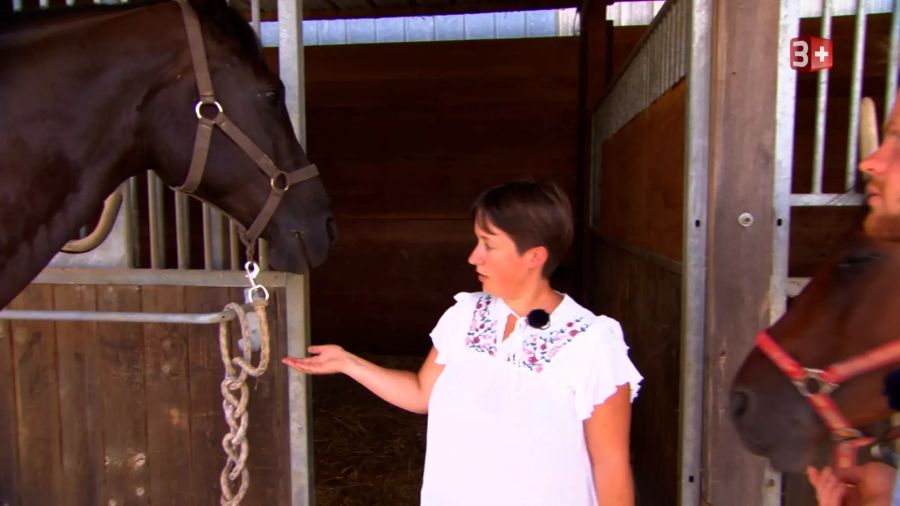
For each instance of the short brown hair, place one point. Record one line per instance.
(532, 214)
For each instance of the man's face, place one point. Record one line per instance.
(883, 188)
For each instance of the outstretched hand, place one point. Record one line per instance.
(830, 490)
(323, 359)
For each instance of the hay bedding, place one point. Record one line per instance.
(367, 452)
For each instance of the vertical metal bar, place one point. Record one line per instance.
(234, 251)
(217, 234)
(182, 231)
(299, 386)
(891, 86)
(133, 221)
(290, 62)
(255, 16)
(859, 39)
(207, 238)
(821, 107)
(156, 219)
(786, 90)
(693, 281)
(129, 230)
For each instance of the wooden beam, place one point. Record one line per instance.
(742, 138)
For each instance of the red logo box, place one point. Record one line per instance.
(810, 54)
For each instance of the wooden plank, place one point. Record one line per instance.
(742, 138)
(124, 402)
(641, 183)
(168, 398)
(645, 298)
(205, 373)
(37, 399)
(9, 459)
(268, 433)
(80, 397)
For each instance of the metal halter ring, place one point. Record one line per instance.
(279, 182)
(814, 384)
(202, 103)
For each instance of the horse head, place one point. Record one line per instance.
(301, 228)
(850, 307)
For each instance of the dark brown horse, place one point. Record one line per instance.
(849, 308)
(92, 96)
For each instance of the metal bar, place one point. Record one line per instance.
(182, 231)
(133, 212)
(207, 237)
(299, 386)
(234, 252)
(859, 39)
(821, 105)
(112, 316)
(254, 16)
(698, 46)
(809, 9)
(827, 199)
(157, 220)
(262, 246)
(217, 223)
(155, 277)
(891, 86)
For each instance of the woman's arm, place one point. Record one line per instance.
(607, 435)
(405, 389)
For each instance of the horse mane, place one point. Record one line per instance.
(221, 20)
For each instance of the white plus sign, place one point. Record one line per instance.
(821, 53)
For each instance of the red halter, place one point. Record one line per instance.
(817, 384)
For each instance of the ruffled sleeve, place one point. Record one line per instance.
(608, 367)
(449, 334)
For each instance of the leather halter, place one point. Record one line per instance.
(818, 384)
(279, 180)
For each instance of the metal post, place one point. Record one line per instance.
(821, 105)
(693, 283)
(859, 38)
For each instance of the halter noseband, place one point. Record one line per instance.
(818, 384)
(279, 180)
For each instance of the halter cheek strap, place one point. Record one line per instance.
(818, 384)
(279, 180)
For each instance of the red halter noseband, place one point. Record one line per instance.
(818, 384)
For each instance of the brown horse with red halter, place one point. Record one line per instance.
(817, 374)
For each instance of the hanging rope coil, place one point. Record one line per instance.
(236, 396)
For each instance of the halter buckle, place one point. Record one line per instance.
(279, 182)
(845, 434)
(814, 383)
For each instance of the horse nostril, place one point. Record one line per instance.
(739, 405)
(331, 228)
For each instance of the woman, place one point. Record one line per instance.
(528, 394)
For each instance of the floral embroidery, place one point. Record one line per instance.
(482, 334)
(537, 349)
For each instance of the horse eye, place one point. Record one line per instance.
(858, 259)
(270, 96)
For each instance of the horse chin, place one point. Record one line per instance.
(289, 257)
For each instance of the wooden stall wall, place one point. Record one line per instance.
(406, 136)
(635, 277)
(130, 414)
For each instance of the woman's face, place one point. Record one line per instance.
(503, 272)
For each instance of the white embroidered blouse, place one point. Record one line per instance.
(505, 417)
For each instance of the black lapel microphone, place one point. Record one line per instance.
(538, 318)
